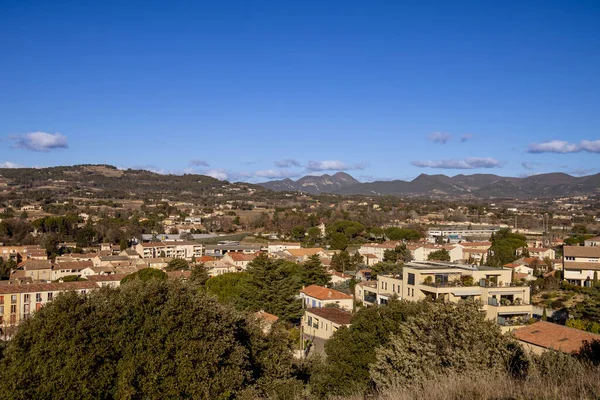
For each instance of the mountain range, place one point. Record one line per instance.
(476, 185)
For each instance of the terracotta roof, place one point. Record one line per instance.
(332, 314)
(237, 257)
(341, 274)
(471, 251)
(206, 258)
(106, 278)
(519, 276)
(73, 265)
(153, 244)
(574, 265)
(179, 274)
(323, 293)
(581, 251)
(475, 244)
(384, 245)
(46, 287)
(554, 336)
(31, 265)
(304, 252)
(265, 316)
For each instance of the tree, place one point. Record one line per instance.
(313, 272)
(445, 339)
(341, 261)
(439, 255)
(199, 274)
(544, 315)
(229, 288)
(394, 233)
(350, 351)
(162, 350)
(145, 275)
(384, 268)
(177, 264)
(400, 254)
(338, 241)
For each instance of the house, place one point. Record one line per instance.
(339, 277)
(503, 302)
(302, 255)
(266, 320)
(520, 267)
(219, 250)
(239, 260)
(276, 247)
(541, 253)
(38, 270)
(112, 280)
(363, 275)
(19, 301)
(103, 261)
(130, 253)
(455, 252)
(366, 292)
(323, 322)
(580, 264)
(318, 296)
(592, 242)
(66, 268)
(216, 268)
(542, 336)
(157, 263)
(373, 252)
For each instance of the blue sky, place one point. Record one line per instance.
(255, 90)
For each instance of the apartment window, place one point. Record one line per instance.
(50, 296)
(38, 297)
(570, 258)
(413, 292)
(411, 279)
(393, 287)
(13, 298)
(1, 310)
(13, 309)
(26, 298)
(408, 292)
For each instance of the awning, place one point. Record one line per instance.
(474, 292)
(514, 313)
(506, 291)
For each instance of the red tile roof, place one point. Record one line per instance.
(323, 293)
(46, 287)
(554, 336)
(265, 316)
(332, 314)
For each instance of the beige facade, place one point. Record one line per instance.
(580, 263)
(502, 301)
(322, 323)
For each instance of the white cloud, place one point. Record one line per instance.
(40, 141)
(276, 174)
(218, 173)
(8, 164)
(439, 137)
(563, 147)
(199, 163)
(332, 165)
(287, 162)
(468, 163)
(466, 137)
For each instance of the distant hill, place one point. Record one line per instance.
(313, 184)
(476, 185)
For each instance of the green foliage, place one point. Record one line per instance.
(584, 325)
(446, 338)
(338, 241)
(313, 272)
(199, 275)
(228, 288)
(159, 339)
(6, 267)
(400, 254)
(177, 264)
(504, 247)
(385, 268)
(343, 261)
(439, 255)
(73, 278)
(145, 275)
(394, 233)
(351, 350)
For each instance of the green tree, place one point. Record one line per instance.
(145, 275)
(341, 261)
(394, 233)
(384, 268)
(439, 255)
(177, 264)
(313, 272)
(143, 340)
(228, 288)
(446, 339)
(199, 274)
(400, 254)
(338, 241)
(351, 350)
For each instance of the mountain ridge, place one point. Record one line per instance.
(553, 184)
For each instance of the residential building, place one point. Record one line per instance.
(323, 322)
(276, 247)
(38, 270)
(541, 253)
(219, 250)
(67, 268)
(339, 277)
(580, 263)
(318, 296)
(542, 336)
(302, 255)
(112, 280)
(239, 260)
(373, 252)
(266, 320)
(19, 301)
(591, 242)
(501, 300)
(179, 249)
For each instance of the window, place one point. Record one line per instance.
(413, 292)
(13, 298)
(26, 298)
(408, 292)
(411, 279)
(13, 309)
(309, 320)
(570, 258)
(38, 297)
(50, 296)
(393, 287)
(1, 310)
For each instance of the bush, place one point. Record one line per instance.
(155, 339)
